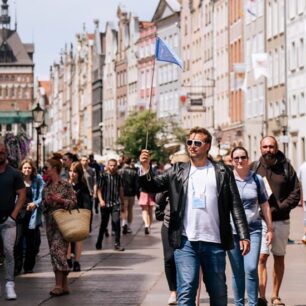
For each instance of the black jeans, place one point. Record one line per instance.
(28, 240)
(106, 212)
(169, 262)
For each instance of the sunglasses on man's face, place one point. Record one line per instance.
(196, 143)
(243, 157)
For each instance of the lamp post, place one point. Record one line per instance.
(38, 118)
(219, 144)
(101, 126)
(43, 131)
(283, 125)
(218, 136)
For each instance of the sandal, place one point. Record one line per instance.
(276, 301)
(56, 292)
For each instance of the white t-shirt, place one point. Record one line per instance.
(201, 216)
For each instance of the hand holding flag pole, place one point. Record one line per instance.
(164, 53)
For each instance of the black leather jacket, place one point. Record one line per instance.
(175, 180)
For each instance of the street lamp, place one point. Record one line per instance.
(38, 118)
(38, 114)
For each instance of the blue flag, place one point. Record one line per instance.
(163, 52)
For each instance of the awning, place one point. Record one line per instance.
(15, 117)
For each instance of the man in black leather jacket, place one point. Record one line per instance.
(203, 194)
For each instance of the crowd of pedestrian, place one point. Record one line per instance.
(28, 199)
(202, 198)
(210, 209)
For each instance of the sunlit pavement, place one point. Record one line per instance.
(135, 277)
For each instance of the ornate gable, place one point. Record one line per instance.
(165, 9)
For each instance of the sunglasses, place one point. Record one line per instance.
(243, 157)
(196, 143)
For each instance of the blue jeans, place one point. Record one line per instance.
(188, 260)
(245, 273)
(8, 233)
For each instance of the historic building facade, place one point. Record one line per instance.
(97, 89)
(254, 89)
(193, 84)
(70, 120)
(16, 78)
(234, 132)
(121, 66)
(109, 89)
(276, 98)
(218, 42)
(167, 19)
(145, 66)
(132, 63)
(296, 85)
(221, 71)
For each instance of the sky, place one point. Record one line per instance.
(50, 24)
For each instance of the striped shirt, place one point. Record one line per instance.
(110, 188)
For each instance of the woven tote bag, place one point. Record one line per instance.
(73, 224)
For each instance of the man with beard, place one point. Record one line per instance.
(12, 198)
(284, 194)
(110, 195)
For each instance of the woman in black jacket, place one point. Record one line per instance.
(76, 178)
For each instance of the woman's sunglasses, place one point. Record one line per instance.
(243, 157)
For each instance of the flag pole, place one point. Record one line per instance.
(164, 53)
(150, 103)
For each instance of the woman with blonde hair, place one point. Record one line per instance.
(57, 194)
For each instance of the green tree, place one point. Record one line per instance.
(134, 131)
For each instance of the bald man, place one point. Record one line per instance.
(283, 190)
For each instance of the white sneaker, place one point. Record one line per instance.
(172, 300)
(10, 291)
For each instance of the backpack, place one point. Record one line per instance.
(255, 177)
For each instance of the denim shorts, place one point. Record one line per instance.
(281, 231)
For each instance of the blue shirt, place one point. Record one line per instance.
(252, 196)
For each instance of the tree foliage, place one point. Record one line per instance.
(134, 131)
